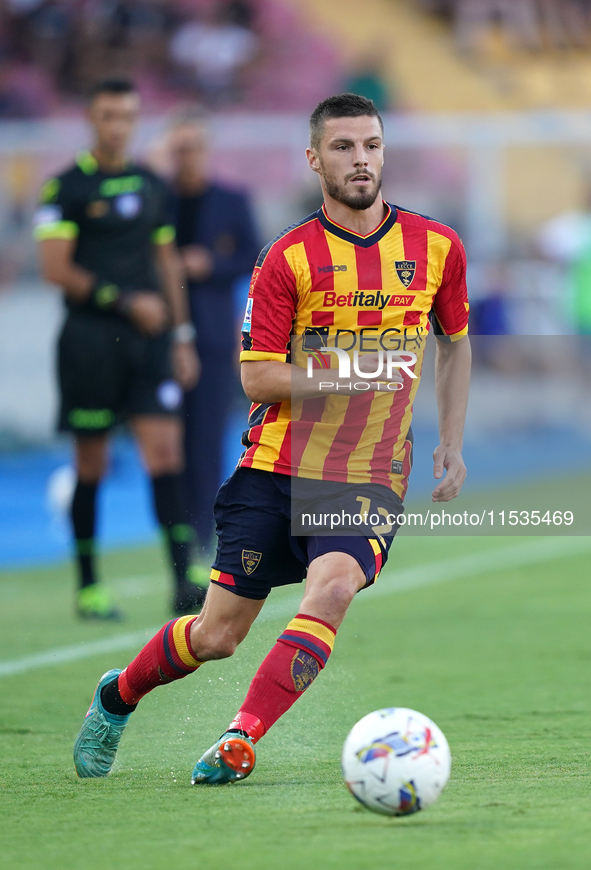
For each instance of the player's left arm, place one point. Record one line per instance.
(185, 359)
(449, 317)
(452, 381)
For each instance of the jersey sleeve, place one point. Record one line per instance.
(56, 216)
(270, 311)
(164, 231)
(449, 313)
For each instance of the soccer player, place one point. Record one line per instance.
(127, 346)
(361, 274)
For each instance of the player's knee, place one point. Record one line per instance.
(215, 649)
(211, 646)
(343, 580)
(332, 594)
(341, 590)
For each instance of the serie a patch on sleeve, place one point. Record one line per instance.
(248, 315)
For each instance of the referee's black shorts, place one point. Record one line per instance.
(109, 371)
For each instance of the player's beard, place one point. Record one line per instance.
(358, 199)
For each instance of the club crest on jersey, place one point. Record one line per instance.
(405, 269)
(250, 560)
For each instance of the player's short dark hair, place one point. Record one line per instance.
(340, 106)
(112, 85)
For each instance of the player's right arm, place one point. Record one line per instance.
(269, 381)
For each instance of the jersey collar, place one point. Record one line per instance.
(87, 162)
(354, 238)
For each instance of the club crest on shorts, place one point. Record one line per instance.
(405, 269)
(250, 560)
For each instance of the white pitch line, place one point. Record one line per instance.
(484, 561)
(472, 564)
(76, 652)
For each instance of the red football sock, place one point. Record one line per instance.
(293, 663)
(167, 657)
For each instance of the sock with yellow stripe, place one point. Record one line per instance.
(167, 657)
(294, 662)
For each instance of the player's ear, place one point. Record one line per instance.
(313, 159)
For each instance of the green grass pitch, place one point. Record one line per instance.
(498, 658)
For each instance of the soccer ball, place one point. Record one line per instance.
(396, 761)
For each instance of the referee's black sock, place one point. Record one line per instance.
(83, 513)
(171, 509)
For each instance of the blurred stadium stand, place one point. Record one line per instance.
(531, 25)
(488, 126)
(236, 52)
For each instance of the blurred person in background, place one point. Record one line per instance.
(215, 49)
(127, 34)
(566, 240)
(367, 77)
(218, 242)
(489, 314)
(14, 103)
(126, 349)
(44, 33)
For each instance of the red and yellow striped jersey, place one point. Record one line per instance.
(335, 288)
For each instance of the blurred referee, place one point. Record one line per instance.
(126, 349)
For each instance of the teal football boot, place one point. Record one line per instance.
(97, 742)
(230, 759)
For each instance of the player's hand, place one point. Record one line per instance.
(186, 365)
(148, 312)
(198, 262)
(450, 459)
